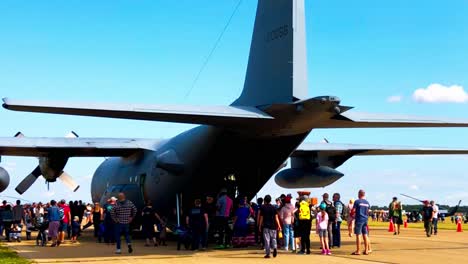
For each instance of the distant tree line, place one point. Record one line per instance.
(417, 207)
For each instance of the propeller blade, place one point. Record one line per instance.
(72, 134)
(27, 182)
(68, 181)
(19, 135)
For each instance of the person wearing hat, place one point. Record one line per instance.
(427, 214)
(396, 214)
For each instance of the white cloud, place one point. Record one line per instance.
(438, 93)
(414, 187)
(394, 99)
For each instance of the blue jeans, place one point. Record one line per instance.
(434, 225)
(288, 233)
(336, 234)
(125, 229)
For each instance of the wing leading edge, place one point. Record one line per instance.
(334, 155)
(208, 115)
(74, 147)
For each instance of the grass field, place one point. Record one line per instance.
(8, 256)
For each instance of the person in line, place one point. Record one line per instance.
(361, 209)
(18, 213)
(76, 228)
(322, 227)
(435, 217)
(428, 215)
(109, 232)
(269, 224)
(336, 226)
(123, 214)
(331, 211)
(240, 224)
(350, 217)
(54, 218)
(223, 212)
(197, 222)
(287, 217)
(149, 217)
(65, 222)
(97, 218)
(305, 224)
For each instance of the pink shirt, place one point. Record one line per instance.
(287, 213)
(322, 221)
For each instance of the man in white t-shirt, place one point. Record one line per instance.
(435, 218)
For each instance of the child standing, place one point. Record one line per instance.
(162, 231)
(322, 224)
(75, 228)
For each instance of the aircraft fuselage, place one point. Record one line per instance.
(197, 162)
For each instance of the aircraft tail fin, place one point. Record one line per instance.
(277, 68)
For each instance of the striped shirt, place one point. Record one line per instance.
(122, 212)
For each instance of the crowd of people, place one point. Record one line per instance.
(285, 223)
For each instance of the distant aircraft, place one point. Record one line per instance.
(452, 211)
(239, 146)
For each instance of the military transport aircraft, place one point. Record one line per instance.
(239, 145)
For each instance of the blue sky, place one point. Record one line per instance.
(150, 52)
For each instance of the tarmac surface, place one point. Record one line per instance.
(411, 246)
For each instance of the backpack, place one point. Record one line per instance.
(331, 211)
(345, 213)
(304, 211)
(61, 213)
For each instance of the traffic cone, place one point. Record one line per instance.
(391, 228)
(405, 224)
(459, 226)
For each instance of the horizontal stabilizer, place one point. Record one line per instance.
(207, 115)
(353, 119)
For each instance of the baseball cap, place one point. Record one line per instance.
(113, 198)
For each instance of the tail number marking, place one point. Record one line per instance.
(277, 33)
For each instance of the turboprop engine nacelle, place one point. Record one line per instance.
(4, 179)
(51, 168)
(307, 177)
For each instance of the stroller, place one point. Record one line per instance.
(41, 225)
(184, 237)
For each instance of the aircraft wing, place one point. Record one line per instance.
(334, 155)
(208, 115)
(74, 147)
(353, 119)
